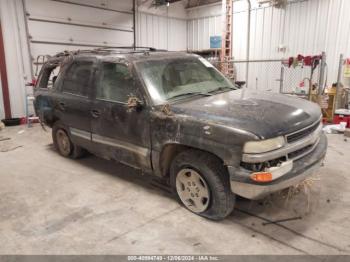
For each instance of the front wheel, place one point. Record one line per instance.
(202, 184)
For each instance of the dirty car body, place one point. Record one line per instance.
(172, 102)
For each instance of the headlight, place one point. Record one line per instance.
(263, 146)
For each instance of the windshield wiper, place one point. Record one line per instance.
(189, 94)
(221, 89)
(210, 93)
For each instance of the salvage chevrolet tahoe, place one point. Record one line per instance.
(174, 115)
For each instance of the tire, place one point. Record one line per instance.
(11, 121)
(63, 143)
(201, 184)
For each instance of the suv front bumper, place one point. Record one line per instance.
(242, 185)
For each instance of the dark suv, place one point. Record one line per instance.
(174, 115)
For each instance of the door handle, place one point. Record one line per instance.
(95, 113)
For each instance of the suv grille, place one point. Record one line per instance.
(302, 133)
(300, 152)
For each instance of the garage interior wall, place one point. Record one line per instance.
(41, 27)
(162, 27)
(305, 27)
(16, 53)
(161, 32)
(70, 25)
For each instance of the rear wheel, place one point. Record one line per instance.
(63, 143)
(201, 184)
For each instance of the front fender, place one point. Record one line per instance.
(223, 141)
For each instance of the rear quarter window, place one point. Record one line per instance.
(48, 77)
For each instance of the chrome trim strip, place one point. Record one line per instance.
(120, 144)
(72, 94)
(300, 130)
(306, 152)
(80, 133)
(110, 141)
(310, 139)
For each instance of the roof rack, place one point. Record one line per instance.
(132, 48)
(114, 50)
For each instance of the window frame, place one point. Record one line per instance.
(44, 75)
(98, 80)
(92, 72)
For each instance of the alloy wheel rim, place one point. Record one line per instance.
(192, 190)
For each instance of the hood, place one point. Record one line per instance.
(264, 114)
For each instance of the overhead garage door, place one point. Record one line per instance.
(58, 25)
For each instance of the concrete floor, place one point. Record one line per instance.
(53, 205)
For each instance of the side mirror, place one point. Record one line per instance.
(134, 103)
(240, 84)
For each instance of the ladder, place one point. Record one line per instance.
(226, 44)
(29, 96)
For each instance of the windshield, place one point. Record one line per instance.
(176, 78)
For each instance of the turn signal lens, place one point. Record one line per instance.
(261, 177)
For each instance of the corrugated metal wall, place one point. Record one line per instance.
(204, 21)
(305, 27)
(200, 30)
(161, 32)
(162, 27)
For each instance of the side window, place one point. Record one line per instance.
(77, 78)
(116, 83)
(53, 76)
(48, 77)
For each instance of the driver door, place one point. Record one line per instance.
(119, 132)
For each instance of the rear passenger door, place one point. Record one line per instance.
(118, 132)
(74, 102)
